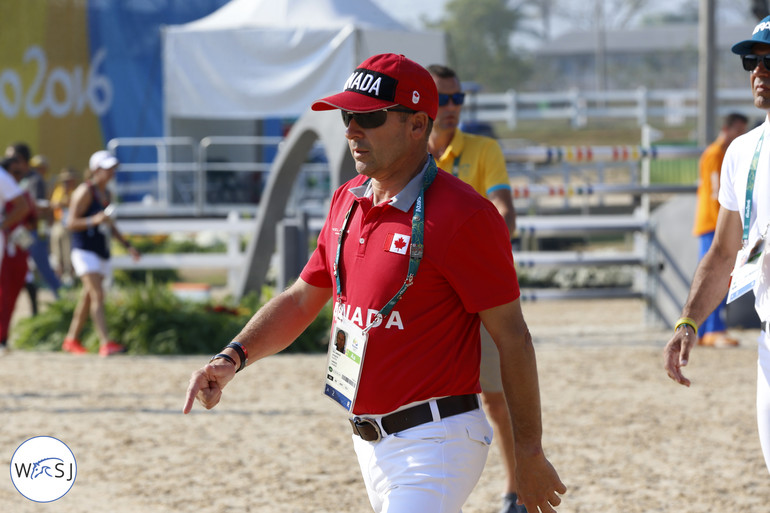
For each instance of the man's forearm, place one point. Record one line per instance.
(518, 366)
(710, 285)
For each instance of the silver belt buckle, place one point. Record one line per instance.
(357, 422)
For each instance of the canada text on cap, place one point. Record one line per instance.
(383, 81)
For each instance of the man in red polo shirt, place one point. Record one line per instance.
(394, 255)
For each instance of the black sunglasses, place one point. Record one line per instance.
(371, 119)
(457, 98)
(750, 62)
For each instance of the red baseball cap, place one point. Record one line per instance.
(383, 81)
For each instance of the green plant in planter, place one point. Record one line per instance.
(152, 320)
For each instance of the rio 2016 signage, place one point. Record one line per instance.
(56, 91)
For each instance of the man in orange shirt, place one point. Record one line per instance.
(713, 331)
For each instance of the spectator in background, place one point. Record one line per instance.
(479, 161)
(33, 182)
(713, 331)
(61, 244)
(89, 222)
(18, 218)
(39, 165)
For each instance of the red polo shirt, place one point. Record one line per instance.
(428, 346)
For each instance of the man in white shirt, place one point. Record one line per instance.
(744, 182)
(13, 208)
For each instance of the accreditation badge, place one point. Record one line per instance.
(748, 266)
(345, 359)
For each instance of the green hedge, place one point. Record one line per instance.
(152, 320)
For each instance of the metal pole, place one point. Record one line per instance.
(601, 48)
(706, 73)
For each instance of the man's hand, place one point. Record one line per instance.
(537, 483)
(206, 384)
(677, 354)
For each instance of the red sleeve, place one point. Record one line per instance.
(317, 272)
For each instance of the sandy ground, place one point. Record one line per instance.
(622, 435)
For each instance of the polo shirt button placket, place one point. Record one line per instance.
(361, 240)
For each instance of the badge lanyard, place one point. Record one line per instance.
(747, 269)
(750, 189)
(348, 346)
(415, 249)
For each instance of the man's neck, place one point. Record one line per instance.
(439, 141)
(384, 188)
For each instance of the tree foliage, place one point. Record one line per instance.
(479, 34)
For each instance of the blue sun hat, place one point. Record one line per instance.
(761, 35)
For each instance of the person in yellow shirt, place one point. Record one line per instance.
(713, 332)
(478, 161)
(61, 245)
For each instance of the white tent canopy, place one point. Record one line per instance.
(255, 59)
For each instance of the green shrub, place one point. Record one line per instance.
(152, 320)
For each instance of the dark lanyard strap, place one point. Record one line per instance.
(415, 248)
(750, 188)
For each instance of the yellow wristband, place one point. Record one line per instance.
(686, 321)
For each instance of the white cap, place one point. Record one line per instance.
(102, 159)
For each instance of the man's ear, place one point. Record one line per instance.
(419, 124)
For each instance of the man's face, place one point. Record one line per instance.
(448, 116)
(15, 169)
(10, 151)
(378, 151)
(760, 78)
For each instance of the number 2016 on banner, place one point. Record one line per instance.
(57, 91)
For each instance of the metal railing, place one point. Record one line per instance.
(672, 106)
(233, 229)
(177, 176)
(541, 160)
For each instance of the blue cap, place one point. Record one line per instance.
(761, 35)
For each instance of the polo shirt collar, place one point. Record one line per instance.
(456, 145)
(404, 199)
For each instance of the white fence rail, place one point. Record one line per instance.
(673, 106)
(233, 259)
(180, 185)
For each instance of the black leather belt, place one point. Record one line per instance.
(369, 430)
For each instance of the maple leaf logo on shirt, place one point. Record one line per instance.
(397, 243)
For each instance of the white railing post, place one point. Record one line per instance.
(233, 252)
(675, 110)
(511, 100)
(578, 109)
(641, 106)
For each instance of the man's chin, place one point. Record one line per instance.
(762, 102)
